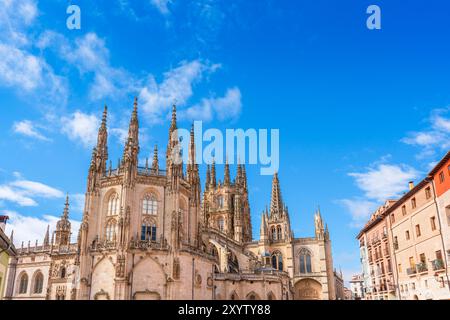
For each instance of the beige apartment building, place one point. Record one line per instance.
(404, 246)
(376, 256)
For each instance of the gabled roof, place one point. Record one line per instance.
(439, 165)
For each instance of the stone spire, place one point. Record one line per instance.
(191, 159)
(208, 177)
(318, 225)
(244, 177)
(263, 232)
(155, 163)
(102, 143)
(213, 174)
(174, 162)
(226, 178)
(63, 226)
(47, 237)
(276, 205)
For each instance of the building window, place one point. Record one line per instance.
(395, 243)
(400, 268)
(428, 193)
(413, 286)
(433, 223)
(38, 283)
(418, 230)
(274, 233)
(111, 231)
(150, 205)
(447, 213)
(404, 210)
(407, 235)
(277, 261)
(441, 177)
(305, 262)
(63, 273)
(148, 231)
(221, 224)
(220, 201)
(23, 284)
(280, 235)
(113, 204)
(413, 203)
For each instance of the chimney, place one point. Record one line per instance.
(411, 185)
(3, 222)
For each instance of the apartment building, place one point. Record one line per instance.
(417, 245)
(376, 258)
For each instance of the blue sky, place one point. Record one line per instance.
(360, 112)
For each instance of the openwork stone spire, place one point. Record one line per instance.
(226, 179)
(276, 205)
(155, 163)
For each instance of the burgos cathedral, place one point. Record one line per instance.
(150, 234)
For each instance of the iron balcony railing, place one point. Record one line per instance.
(411, 271)
(438, 264)
(421, 267)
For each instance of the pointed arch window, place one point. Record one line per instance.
(113, 205)
(277, 261)
(111, 231)
(23, 284)
(220, 202)
(148, 231)
(150, 205)
(274, 233)
(38, 282)
(221, 224)
(305, 261)
(279, 233)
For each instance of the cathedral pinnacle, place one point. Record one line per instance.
(226, 179)
(155, 163)
(276, 205)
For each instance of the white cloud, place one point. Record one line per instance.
(28, 228)
(359, 209)
(161, 5)
(384, 181)
(226, 107)
(379, 183)
(22, 191)
(177, 86)
(89, 54)
(37, 189)
(435, 137)
(10, 194)
(28, 128)
(81, 127)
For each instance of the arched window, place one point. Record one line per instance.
(305, 261)
(220, 201)
(280, 234)
(274, 233)
(277, 261)
(38, 282)
(63, 272)
(150, 205)
(113, 204)
(221, 224)
(148, 231)
(23, 284)
(111, 231)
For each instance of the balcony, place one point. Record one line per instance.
(438, 264)
(411, 271)
(422, 267)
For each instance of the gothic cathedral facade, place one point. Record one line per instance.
(150, 234)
